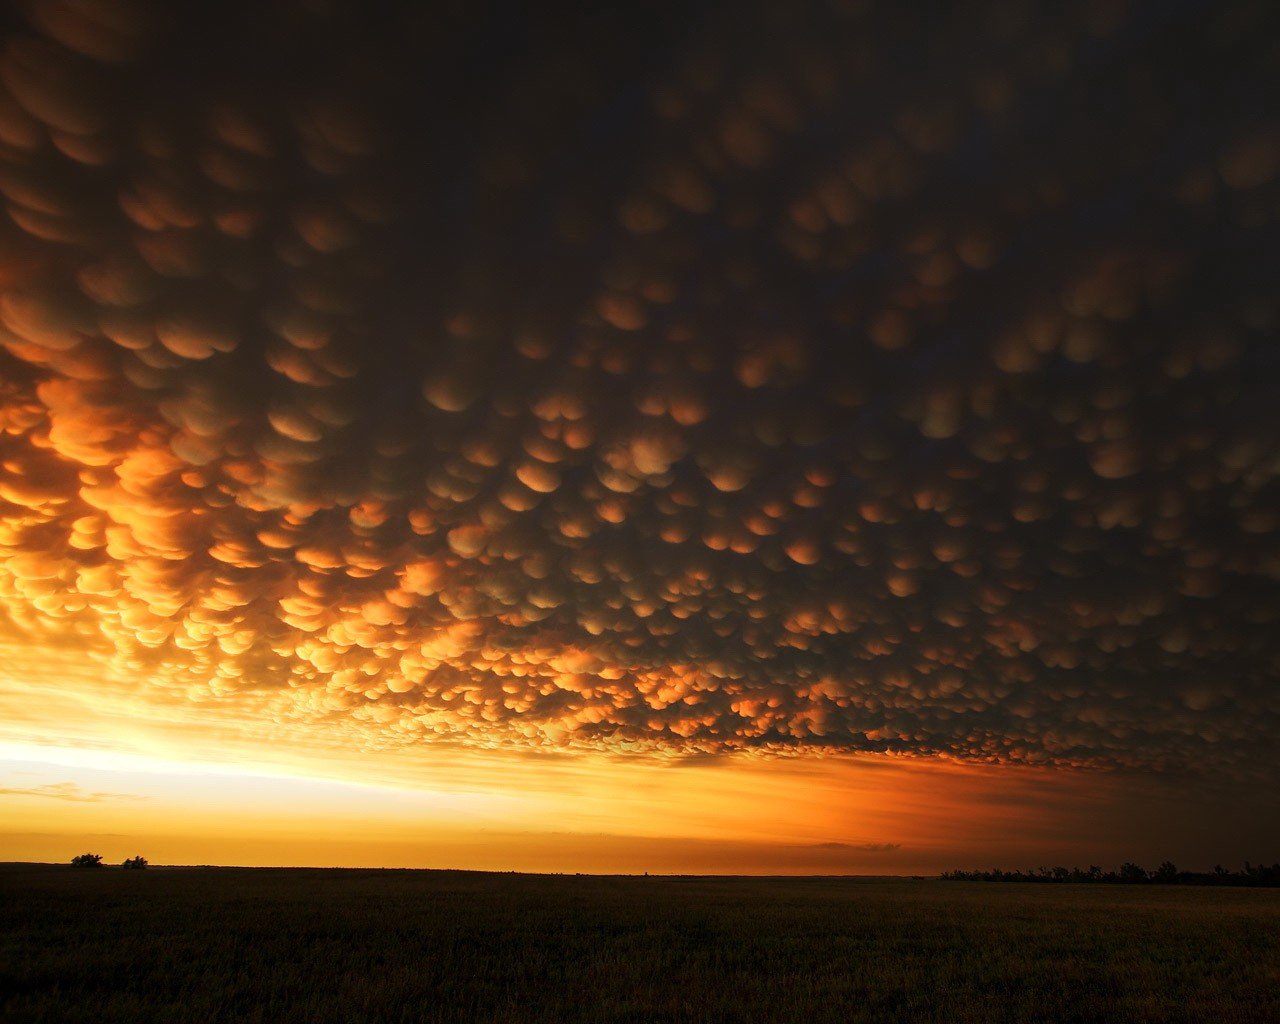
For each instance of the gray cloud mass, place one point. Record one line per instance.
(819, 378)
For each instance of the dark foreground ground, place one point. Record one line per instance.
(224, 944)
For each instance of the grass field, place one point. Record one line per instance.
(213, 945)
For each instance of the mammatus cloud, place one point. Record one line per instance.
(847, 383)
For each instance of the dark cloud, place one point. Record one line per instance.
(825, 376)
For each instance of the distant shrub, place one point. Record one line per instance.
(87, 860)
(1130, 874)
(135, 863)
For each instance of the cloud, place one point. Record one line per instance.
(68, 791)
(860, 847)
(787, 421)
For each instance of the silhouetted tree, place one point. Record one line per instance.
(87, 860)
(1130, 872)
(135, 863)
(1166, 872)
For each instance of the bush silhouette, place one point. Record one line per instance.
(87, 860)
(1130, 874)
(1166, 872)
(135, 863)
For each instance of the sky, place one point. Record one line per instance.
(810, 438)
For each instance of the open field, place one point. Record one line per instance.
(316, 946)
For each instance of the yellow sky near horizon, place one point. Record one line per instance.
(91, 761)
(92, 765)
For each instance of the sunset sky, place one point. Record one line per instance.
(837, 437)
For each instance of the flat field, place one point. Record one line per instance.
(280, 946)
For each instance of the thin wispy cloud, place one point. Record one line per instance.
(68, 791)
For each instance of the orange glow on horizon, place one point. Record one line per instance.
(219, 783)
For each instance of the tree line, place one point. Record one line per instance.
(1129, 874)
(94, 860)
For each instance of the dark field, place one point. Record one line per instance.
(313, 946)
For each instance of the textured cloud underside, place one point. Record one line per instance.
(840, 379)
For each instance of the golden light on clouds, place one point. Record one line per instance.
(606, 436)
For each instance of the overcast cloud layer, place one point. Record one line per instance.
(841, 377)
